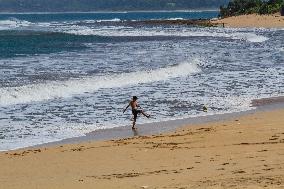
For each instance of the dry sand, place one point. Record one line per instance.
(247, 152)
(253, 20)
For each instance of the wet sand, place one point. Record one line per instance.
(253, 20)
(243, 152)
(265, 104)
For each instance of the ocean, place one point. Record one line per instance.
(63, 75)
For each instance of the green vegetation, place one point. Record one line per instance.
(240, 7)
(105, 5)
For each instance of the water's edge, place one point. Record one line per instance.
(261, 105)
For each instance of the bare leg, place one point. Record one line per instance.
(135, 132)
(144, 114)
(134, 122)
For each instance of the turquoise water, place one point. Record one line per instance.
(108, 16)
(64, 75)
(38, 31)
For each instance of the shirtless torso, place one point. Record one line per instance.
(134, 106)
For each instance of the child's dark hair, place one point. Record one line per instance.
(135, 98)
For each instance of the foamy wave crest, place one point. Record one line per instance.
(109, 20)
(175, 19)
(13, 23)
(251, 37)
(99, 21)
(66, 89)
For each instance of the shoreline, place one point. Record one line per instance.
(121, 132)
(242, 152)
(251, 21)
(241, 21)
(183, 22)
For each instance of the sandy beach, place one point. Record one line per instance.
(253, 20)
(66, 78)
(246, 152)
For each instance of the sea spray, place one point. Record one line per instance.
(66, 89)
(150, 32)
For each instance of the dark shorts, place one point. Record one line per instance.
(136, 112)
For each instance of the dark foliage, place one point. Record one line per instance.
(239, 7)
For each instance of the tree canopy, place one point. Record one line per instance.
(239, 7)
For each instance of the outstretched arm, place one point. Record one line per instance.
(126, 108)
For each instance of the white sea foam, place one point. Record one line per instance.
(251, 37)
(175, 19)
(63, 132)
(120, 31)
(13, 23)
(51, 90)
(98, 21)
(109, 20)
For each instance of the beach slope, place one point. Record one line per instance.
(246, 152)
(252, 20)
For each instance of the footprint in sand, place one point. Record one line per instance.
(239, 172)
(189, 168)
(38, 150)
(221, 169)
(274, 138)
(268, 169)
(225, 163)
(262, 151)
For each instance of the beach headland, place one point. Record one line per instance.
(252, 20)
(242, 21)
(242, 152)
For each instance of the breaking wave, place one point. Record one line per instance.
(124, 31)
(66, 89)
(250, 37)
(13, 23)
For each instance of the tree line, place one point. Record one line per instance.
(240, 7)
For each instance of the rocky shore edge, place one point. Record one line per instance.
(187, 22)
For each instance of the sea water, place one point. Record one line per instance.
(63, 75)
